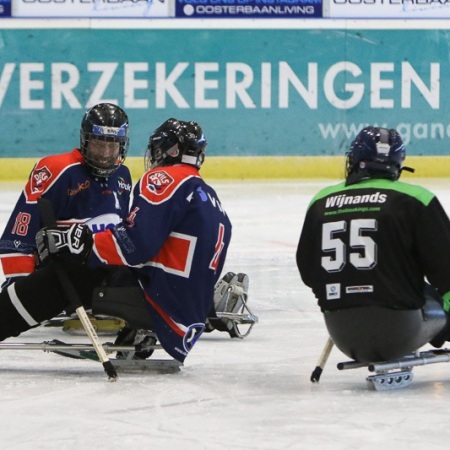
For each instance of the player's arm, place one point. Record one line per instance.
(136, 240)
(17, 246)
(154, 214)
(304, 254)
(434, 247)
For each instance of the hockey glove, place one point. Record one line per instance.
(75, 239)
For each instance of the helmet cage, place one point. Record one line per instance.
(108, 123)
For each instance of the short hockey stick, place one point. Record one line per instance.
(317, 372)
(48, 219)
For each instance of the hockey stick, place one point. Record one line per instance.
(317, 372)
(48, 219)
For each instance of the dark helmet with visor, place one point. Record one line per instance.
(104, 138)
(176, 141)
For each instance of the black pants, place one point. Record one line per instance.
(40, 296)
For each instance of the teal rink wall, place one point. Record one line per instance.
(266, 91)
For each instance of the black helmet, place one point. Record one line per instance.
(176, 141)
(105, 123)
(375, 153)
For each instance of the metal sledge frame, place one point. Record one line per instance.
(397, 373)
(87, 352)
(243, 317)
(387, 341)
(240, 319)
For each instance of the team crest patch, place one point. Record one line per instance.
(158, 182)
(38, 179)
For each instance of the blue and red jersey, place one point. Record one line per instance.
(175, 240)
(76, 196)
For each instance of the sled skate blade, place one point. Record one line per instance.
(146, 365)
(397, 373)
(239, 318)
(390, 381)
(239, 325)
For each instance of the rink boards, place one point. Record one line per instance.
(256, 167)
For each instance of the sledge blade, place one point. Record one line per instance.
(390, 381)
(146, 365)
(397, 373)
(240, 318)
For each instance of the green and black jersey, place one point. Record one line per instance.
(375, 242)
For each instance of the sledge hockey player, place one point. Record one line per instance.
(89, 185)
(174, 241)
(368, 248)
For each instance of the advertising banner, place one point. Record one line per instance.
(92, 8)
(255, 92)
(389, 9)
(248, 8)
(5, 8)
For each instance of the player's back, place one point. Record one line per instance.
(359, 245)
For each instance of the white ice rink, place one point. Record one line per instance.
(231, 394)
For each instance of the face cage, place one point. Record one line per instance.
(147, 159)
(103, 172)
(347, 167)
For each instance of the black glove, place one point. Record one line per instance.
(75, 239)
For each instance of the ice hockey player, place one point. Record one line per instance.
(175, 239)
(89, 185)
(368, 247)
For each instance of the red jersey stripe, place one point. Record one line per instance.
(107, 250)
(16, 264)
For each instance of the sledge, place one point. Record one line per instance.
(397, 373)
(86, 351)
(387, 342)
(127, 305)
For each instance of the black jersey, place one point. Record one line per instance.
(375, 242)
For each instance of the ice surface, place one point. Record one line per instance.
(231, 394)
